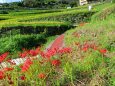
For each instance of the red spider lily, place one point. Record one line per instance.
(11, 62)
(22, 77)
(7, 69)
(26, 65)
(45, 55)
(86, 45)
(103, 51)
(3, 56)
(65, 50)
(93, 46)
(33, 53)
(24, 54)
(38, 50)
(2, 75)
(84, 49)
(41, 76)
(48, 54)
(52, 52)
(55, 62)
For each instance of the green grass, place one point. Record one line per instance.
(97, 69)
(87, 68)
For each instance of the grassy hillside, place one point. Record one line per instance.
(93, 58)
(88, 58)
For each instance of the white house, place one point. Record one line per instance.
(83, 2)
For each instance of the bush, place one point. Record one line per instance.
(17, 42)
(3, 12)
(72, 17)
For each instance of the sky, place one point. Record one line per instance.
(2, 1)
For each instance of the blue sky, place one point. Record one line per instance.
(1, 1)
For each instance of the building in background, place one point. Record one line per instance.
(83, 2)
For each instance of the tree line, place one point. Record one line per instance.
(48, 3)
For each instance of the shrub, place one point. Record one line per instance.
(17, 42)
(3, 12)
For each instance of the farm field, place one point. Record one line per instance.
(60, 47)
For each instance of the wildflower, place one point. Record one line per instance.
(38, 50)
(48, 54)
(33, 52)
(7, 69)
(84, 49)
(26, 65)
(22, 77)
(24, 54)
(93, 46)
(3, 56)
(55, 62)
(65, 50)
(41, 76)
(103, 51)
(2, 75)
(86, 45)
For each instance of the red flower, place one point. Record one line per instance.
(65, 50)
(41, 76)
(26, 65)
(2, 75)
(48, 54)
(24, 54)
(33, 53)
(103, 51)
(38, 50)
(55, 62)
(3, 56)
(93, 46)
(84, 49)
(7, 69)
(23, 77)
